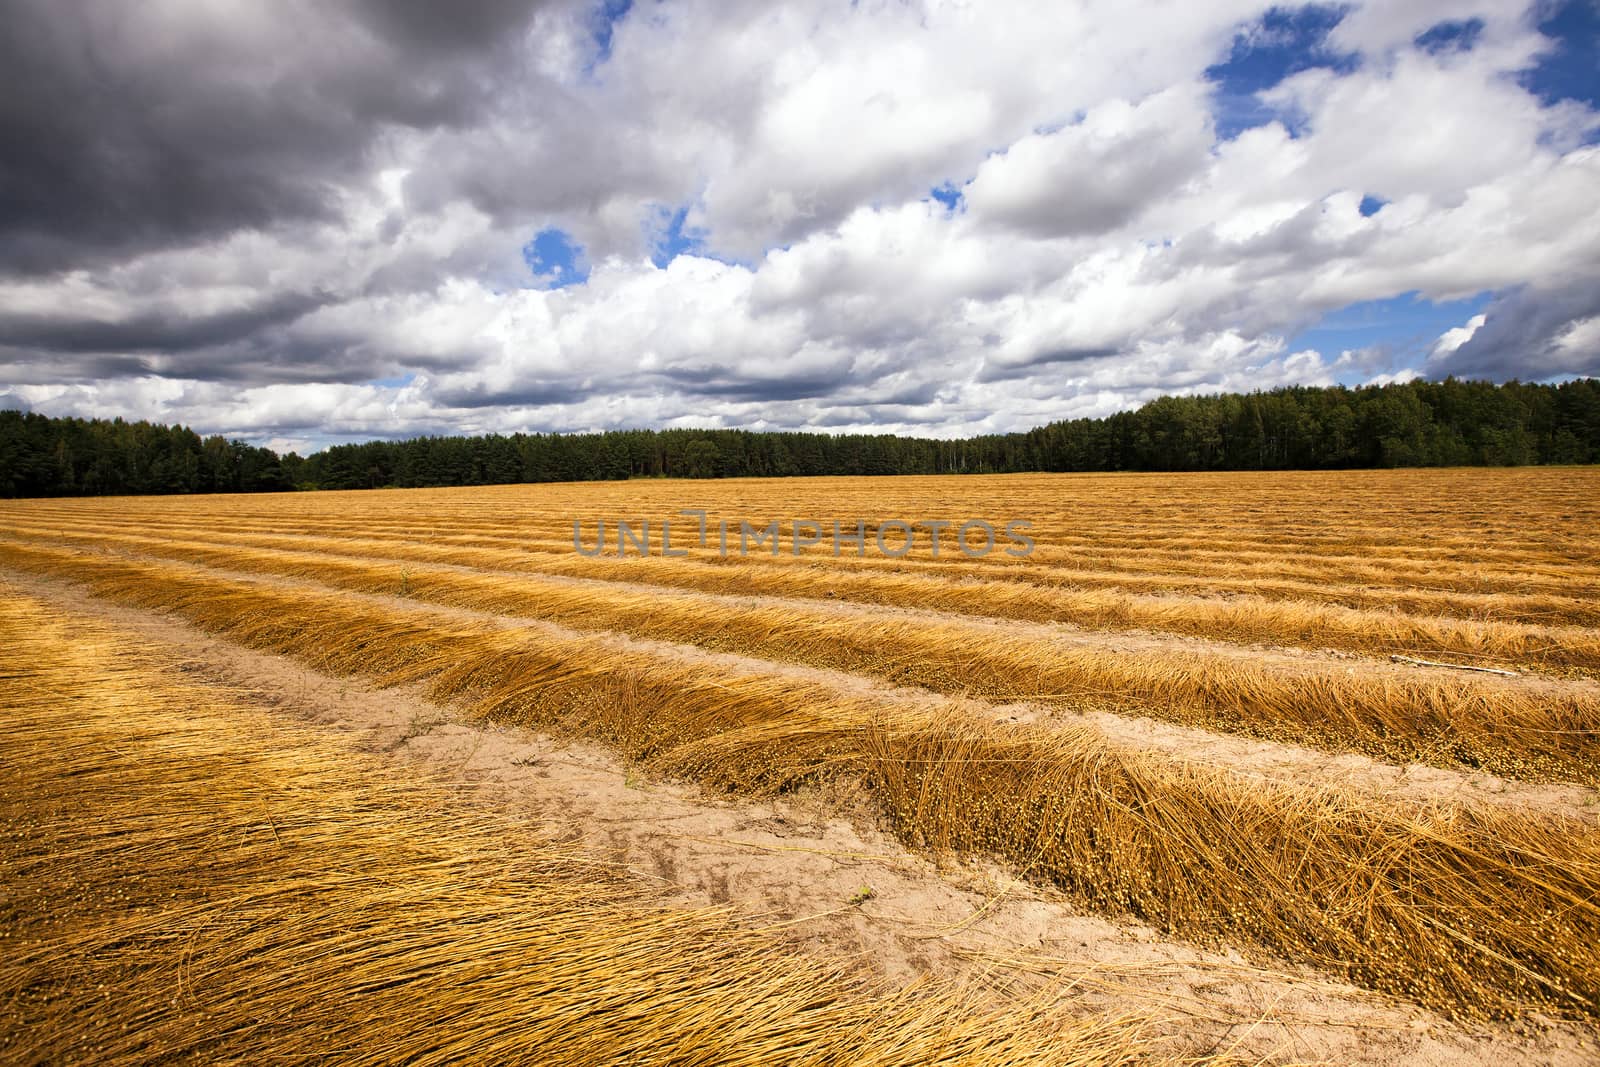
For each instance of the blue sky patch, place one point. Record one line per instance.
(1571, 69)
(947, 194)
(555, 259)
(1282, 42)
(605, 19)
(674, 240)
(1458, 36)
(1405, 326)
(1371, 205)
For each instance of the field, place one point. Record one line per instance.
(1227, 768)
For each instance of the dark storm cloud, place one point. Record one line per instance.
(1520, 338)
(915, 394)
(266, 356)
(738, 387)
(429, 25)
(154, 332)
(29, 368)
(126, 128)
(274, 357)
(994, 371)
(533, 395)
(260, 362)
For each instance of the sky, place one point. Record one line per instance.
(307, 222)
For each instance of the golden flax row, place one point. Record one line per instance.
(1403, 715)
(1475, 912)
(189, 880)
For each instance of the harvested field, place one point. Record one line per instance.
(1102, 719)
(261, 894)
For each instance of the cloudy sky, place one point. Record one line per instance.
(303, 222)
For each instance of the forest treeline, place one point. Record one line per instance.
(1415, 424)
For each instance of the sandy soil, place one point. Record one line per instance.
(802, 866)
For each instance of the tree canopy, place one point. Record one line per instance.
(1446, 423)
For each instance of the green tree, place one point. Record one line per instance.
(702, 459)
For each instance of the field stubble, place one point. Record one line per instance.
(1470, 908)
(1515, 731)
(190, 879)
